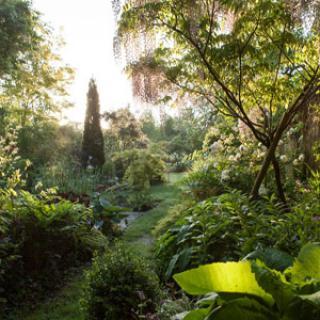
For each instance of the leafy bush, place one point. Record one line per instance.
(13, 169)
(119, 286)
(139, 168)
(141, 201)
(228, 227)
(252, 290)
(40, 237)
(127, 196)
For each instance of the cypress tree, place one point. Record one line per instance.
(92, 142)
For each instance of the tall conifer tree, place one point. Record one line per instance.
(92, 143)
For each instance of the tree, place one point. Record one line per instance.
(126, 129)
(33, 80)
(251, 60)
(92, 143)
(17, 35)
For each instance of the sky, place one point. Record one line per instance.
(88, 28)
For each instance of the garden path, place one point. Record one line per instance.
(138, 236)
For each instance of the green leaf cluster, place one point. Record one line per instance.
(251, 290)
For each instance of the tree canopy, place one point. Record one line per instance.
(252, 61)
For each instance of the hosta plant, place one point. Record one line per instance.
(251, 290)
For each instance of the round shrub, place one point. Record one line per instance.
(119, 286)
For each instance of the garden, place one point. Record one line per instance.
(204, 205)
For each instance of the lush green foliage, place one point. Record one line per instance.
(13, 169)
(252, 61)
(119, 286)
(67, 177)
(139, 168)
(251, 290)
(40, 237)
(245, 76)
(125, 131)
(229, 227)
(17, 33)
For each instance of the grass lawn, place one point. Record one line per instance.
(65, 306)
(138, 236)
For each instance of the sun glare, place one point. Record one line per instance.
(88, 30)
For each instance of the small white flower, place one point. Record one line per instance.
(260, 155)
(243, 148)
(296, 162)
(263, 190)
(238, 156)
(301, 158)
(284, 158)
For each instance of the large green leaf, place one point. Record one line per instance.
(304, 307)
(198, 314)
(229, 277)
(273, 258)
(242, 309)
(313, 298)
(275, 283)
(307, 265)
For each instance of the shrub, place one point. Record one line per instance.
(229, 226)
(119, 286)
(139, 168)
(40, 238)
(252, 290)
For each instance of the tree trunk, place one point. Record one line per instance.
(280, 189)
(269, 157)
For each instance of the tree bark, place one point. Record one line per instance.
(264, 170)
(280, 190)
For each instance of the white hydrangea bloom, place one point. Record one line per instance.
(225, 175)
(216, 147)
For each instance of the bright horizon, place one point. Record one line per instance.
(88, 29)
